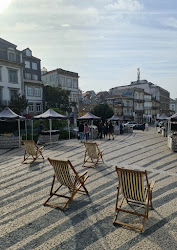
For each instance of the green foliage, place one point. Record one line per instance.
(29, 137)
(103, 111)
(56, 124)
(57, 97)
(63, 134)
(18, 104)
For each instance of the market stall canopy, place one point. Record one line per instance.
(8, 114)
(50, 114)
(163, 117)
(89, 116)
(173, 117)
(124, 118)
(114, 118)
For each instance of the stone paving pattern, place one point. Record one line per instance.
(87, 222)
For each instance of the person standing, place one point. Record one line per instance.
(110, 130)
(100, 130)
(86, 131)
(146, 126)
(81, 131)
(105, 129)
(40, 127)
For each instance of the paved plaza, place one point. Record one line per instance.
(87, 222)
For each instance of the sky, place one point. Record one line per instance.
(104, 41)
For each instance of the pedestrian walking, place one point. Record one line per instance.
(110, 130)
(81, 131)
(86, 131)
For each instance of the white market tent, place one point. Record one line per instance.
(172, 119)
(50, 115)
(8, 114)
(90, 117)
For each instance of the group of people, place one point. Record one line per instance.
(84, 129)
(105, 130)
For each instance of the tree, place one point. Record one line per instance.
(57, 97)
(103, 111)
(18, 104)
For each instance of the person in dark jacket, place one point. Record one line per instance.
(100, 130)
(81, 131)
(110, 130)
(105, 129)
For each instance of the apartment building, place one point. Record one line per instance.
(173, 105)
(33, 85)
(11, 72)
(160, 94)
(67, 80)
(147, 107)
(135, 108)
(20, 73)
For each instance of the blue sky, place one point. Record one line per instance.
(105, 41)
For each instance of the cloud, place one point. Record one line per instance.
(125, 5)
(170, 22)
(65, 25)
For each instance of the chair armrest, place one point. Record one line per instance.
(152, 185)
(83, 174)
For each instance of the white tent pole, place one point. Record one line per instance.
(69, 129)
(92, 129)
(19, 132)
(50, 122)
(32, 128)
(26, 129)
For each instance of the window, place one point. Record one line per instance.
(13, 94)
(75, 98)
(37, 92)
(11, 57)
(34, 65)
(62, 81)
(35, 77)
(27, 76)
(38, 107)
(30, 91)
(31, 108)
(13, 76)
(27, 64)
(69, 82)
(28, 52)
(75, 83)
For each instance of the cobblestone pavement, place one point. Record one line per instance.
(87, 222)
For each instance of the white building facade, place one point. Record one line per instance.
(33, 85)
(11, 72)
(66, 80)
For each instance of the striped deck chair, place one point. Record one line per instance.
(92, 154)
(67, 176)
(131, 182)
(31, 149)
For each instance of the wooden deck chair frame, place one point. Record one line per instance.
(31, 149)
(131, 182)
(73, 184)
(92, 154)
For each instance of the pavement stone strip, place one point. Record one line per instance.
(87, 222)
